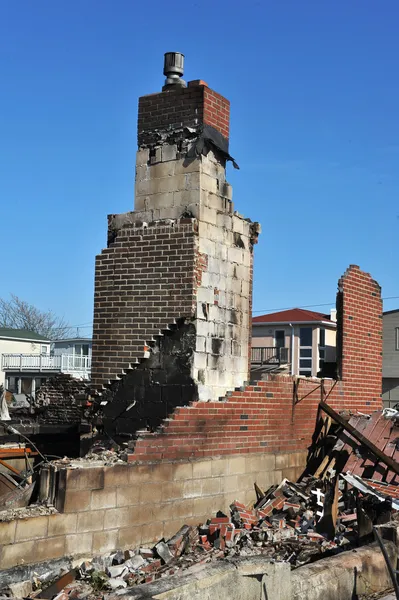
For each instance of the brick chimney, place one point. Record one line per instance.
(173, 289)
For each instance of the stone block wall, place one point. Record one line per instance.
(124, 506)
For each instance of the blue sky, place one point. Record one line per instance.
(314, 93)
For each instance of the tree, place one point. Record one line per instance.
(18, 314)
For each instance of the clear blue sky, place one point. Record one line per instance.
(315, 97)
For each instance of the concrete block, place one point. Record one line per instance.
(141, 202)
(81, 543)
(200, 360)
(209, 183)
(21, 589)
(202, 468)
(153, 532)
(77, 501)
(31, 528)
(127, 496)
(7, 532)
(161, 169)
(191, 181)
(103, 499)
(175, 510)
(205, 393)
(117, 517)
(169, 152)
(62, 524)
(209, 215)
(139, 474)
(216, 201)
(162, 472)
(49, 549)
(226, 190)
(129, 537)
(91, 521)
(17, 554)
(200, 343)
(219, 467)
(142, 514)
(116, 475)
(235, 255)
(171, 490)
(236, 465)
(85, 479)
(206, 295)
(150, 492)
(211, 486)
(142, 172)
(105, 541)
(282, 460)
(192, 488)
(224, 221)
(206, 505)
(142, 157)
(183, 166)
(185, 198)
(174, 212)
(230, 484)
(183, 471)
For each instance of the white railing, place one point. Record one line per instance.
(62, 363)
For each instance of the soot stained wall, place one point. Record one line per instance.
(155, 387)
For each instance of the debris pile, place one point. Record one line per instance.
(283, 524)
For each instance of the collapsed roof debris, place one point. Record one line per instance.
(328, 511)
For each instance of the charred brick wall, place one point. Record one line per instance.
(144, 282)
(178, 108)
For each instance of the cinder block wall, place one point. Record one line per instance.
(124, 506)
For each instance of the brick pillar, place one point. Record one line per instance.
(183, 258)
(359, 338)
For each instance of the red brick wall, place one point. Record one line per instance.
(144, 281)
(360, 335)
(216, 111)
(274, 415)
(182, 107)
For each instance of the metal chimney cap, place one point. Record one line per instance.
(173, 68)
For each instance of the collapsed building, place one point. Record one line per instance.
(171, 352)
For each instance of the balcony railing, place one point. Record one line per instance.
(269, 355)
(79, 366)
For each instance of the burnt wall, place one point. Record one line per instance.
(149, 393)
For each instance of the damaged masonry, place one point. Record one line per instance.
(184, 479)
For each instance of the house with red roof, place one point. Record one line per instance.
(295, 341)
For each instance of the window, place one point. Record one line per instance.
(305, 351)
(305, 336)
(396, 338)
(279, 338)
(322, 348)
(82, 349)
(44, 350)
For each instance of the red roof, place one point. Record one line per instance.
(294, 315)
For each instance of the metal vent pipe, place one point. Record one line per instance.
(173, 69)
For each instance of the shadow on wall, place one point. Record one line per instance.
(150, 392)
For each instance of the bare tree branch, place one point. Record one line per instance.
(19, 314)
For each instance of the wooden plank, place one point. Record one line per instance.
(387, 460)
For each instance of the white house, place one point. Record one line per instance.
(28, 359)
(15, 346)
